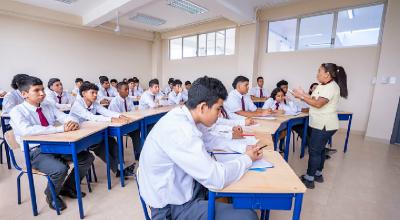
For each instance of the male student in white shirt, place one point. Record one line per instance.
(188, 84)
(151, 97)
(35, 117)
(57, 96)
(175, 97)
(175, 167)
(168, 88)
(13, 98)
(124, 103)
(259, 91)
(138, 90)
(106, 93)
(239, 103)
(78, 83)
(87, 109)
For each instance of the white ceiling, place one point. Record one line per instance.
(97, 12)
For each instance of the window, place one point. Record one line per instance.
(340, 28)
(175, 49)
(282, 35)
(220, 42)
(190, 46)
(355, 26)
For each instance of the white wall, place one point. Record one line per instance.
(47, 50)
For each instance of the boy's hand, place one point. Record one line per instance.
(71, 126)
(119, 120)
(249, 121)
(237, 132)
(254, 152)
(104, 102)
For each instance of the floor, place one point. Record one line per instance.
(363, 184)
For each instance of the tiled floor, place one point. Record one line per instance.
(362, 184)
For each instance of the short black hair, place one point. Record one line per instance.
(52, 81)
(239, 79)
(26, 83)
(131, 80)
(113, 80)
(120, 84)
(135, 79)
(86, 86)
(78, 80)
(103, 79)
(205, 89)
(170, 80)
(17, 79)
(153, 82)
(260, 77)
(275, 92)
(282, 83)
(177, 82)
(188, 83)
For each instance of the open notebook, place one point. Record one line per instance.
(259, 165)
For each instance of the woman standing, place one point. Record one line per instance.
(324, 120)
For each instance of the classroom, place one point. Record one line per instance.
(200, 109)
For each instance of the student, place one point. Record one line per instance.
(259, 91)
(78, 83)
(138, 90)
(131, 87)
(35, 117)
(239, 103)
(114, 83)
(151, 97)
(14, 97)
(323, 116)
(57, 96)
(87, 109)
(175, 97)
(175, 167)
(124, 103)
(277, 103)
(106, 94)
(188, 84)
(168, 88)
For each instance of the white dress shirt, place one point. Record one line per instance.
(118, 104)
(10, 100)
(175, 99)
(75, 91)
(25, 121)
(149, 100)
(175, 154)
(66, 99)
(83, 112)
(234, 104)
(102, 94)
(255, 91)
(167, 90)
(289, 107)
(185, 95)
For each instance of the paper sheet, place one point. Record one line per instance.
(259, 164)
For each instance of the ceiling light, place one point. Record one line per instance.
(187, 6)
(147, 19)
(350, 13)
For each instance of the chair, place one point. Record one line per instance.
(4, 127)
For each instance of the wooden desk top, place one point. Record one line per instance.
(132, 115)
(86, 129)
(256, 99)
(154, 111)
(344, 112)
(270, 126)
(280, 179)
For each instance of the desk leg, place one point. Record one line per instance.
(264, 215)
(142, 131)
(77, 181)
(30, 178)
(276, 140)
(120, 158)
(287, 144)
(211, 205)
(297, 205)
(107, 159)
(347, 134)
(304, 138)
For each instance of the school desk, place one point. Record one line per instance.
(259, 102)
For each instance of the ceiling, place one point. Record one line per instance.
(98, 12)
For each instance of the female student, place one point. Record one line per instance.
(324, 121)
(278, 104)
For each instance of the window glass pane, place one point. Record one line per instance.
(282, 35)
(175, 49)
(220, 42)
(359, 26)
(230, 41)
(211, 43)
(189, 46)
(316, 31)
(202, 44)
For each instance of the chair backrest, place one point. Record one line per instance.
(11, 141)
(5, 126)
(144, 206)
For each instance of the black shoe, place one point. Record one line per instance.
(60, 203)
(118, 174)
(71, 193)
(327, 157)
(319, 179)
(332, 150)
(131, 168)
(309, 184)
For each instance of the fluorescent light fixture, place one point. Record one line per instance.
(147, 19)
(187, 6)
(350, 13)
(69, 2)
(318, 44)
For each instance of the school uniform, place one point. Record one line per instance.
(75, 91)
(83, 113)
(238, 102)
(259, 92)
(185, 95)
(149, 100)
(289, 107)
(10, 100)
(65, 100)
(175, 166)
(108, 94)
(136, 91)
(27, 119)
(175, 99)
(167, 90)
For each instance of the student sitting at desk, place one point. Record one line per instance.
(56, 95)
(138, 90)
(239, 103)
(87, 109)
(106, 94)
(168, 88)
(78, 83)
(151, 97)
(175, 97)
(34, 117)
(175, 168)
(14, 97)
(124, 103)
(277, 103)
(113, 83)
(188, 84)
(259, 91)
